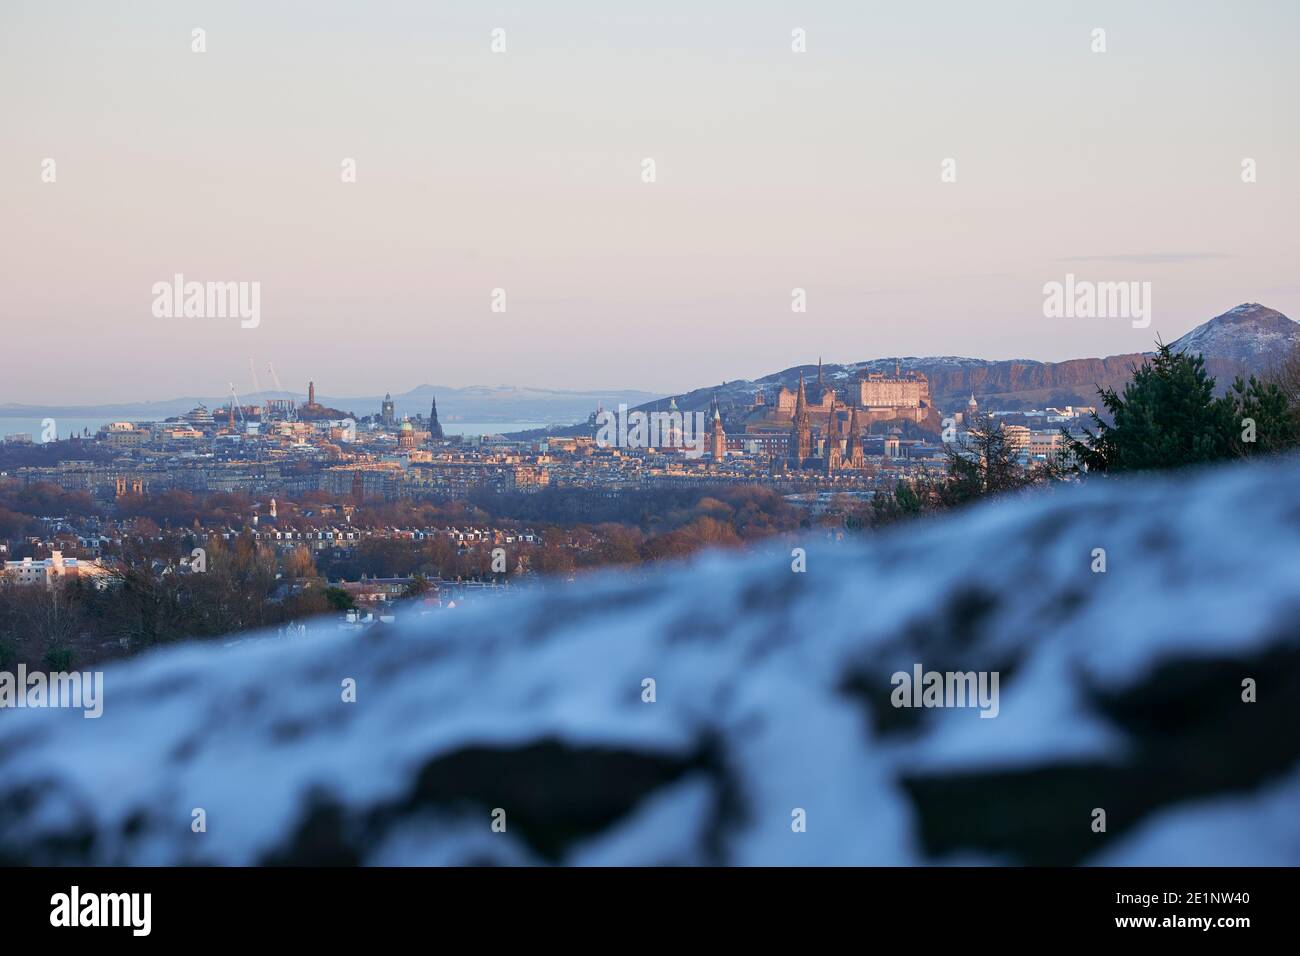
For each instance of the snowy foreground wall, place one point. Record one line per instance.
(772, 738)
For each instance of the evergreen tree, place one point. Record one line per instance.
(418, 585)
(339, 599)
(1167, 417)
(907, 499)
(1265, 420)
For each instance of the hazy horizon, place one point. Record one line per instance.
(522, 170)
(335, 392)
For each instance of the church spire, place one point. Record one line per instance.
(855, 450)
(832, 450)
(435, 427)
(800, 433)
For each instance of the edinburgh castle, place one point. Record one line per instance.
(821, 429)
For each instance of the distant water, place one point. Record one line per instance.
(488, 428)
(35, 427)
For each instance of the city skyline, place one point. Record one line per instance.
(776, 170)
(1243, 340)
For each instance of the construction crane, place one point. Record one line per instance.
(234, 404)
(257, 386)
(288, 403)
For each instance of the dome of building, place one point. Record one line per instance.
(406, 434)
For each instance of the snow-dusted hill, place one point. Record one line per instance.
(1119, 691)
(1251, 334)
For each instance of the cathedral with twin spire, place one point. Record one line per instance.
(841, 447)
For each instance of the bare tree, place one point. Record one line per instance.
(1285, 374)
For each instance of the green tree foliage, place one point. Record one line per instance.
(339, 599)
(1276, 419)
(418, 585)
(1168, 417)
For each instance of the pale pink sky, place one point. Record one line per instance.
(522, 170)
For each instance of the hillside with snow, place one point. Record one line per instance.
(1251, 334)
(1246, 340)
(1120, 690)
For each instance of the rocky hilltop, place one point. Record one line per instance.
(1252, 335)
(1120, 691)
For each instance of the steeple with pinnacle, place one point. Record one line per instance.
(855, 452)
(832, 449)
(800, 430)
(435, 427)
(821, 384)
(717, 436)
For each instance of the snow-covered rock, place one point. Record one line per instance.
(1120, 691)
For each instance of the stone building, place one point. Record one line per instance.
(877, 397)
